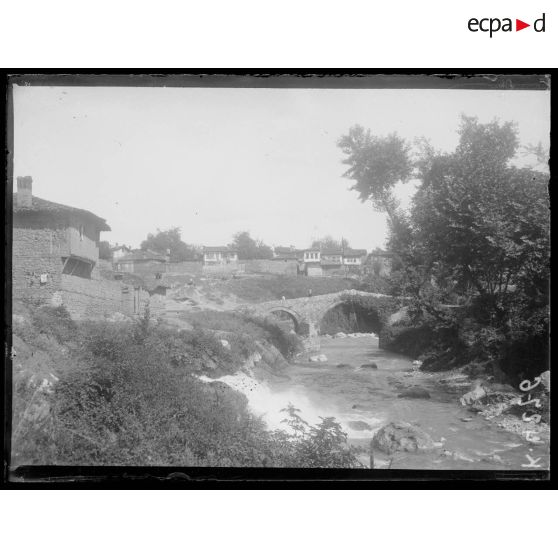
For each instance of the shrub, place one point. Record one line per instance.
(55, 321)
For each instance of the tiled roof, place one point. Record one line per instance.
(332, 252)
(350, 253)
(44, 206)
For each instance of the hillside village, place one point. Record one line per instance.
(56, 261)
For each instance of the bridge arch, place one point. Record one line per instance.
(299, 322)
(351, 314)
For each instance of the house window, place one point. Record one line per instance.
(77, 267)
(81, 232)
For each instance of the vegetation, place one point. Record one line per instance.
(127, 394)
(322, 445)
(170, 241)
(477, 236)
(250, 249)
(244, 330)
(104, 250)
(329, 243)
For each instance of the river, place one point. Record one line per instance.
(365, 399)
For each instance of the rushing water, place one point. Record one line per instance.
(364, 399)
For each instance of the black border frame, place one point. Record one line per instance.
(32, 477)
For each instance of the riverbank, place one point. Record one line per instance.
(364, 398)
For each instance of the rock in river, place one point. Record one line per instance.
(402, 436)
(359, 425)
(370, 365)
(318, 358)
(414, 393)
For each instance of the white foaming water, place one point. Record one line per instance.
(265, 403)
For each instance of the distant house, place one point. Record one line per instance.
(311, 260)
(353, 257)
(138, 261)
(286, 253)
(50, 241)
(119, 251)
(219, 255)
(379, 262)
(331, 259)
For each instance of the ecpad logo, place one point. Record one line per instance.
(493, 25)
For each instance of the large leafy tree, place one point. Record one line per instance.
(171, 240)
(478, 228)
(249, 248)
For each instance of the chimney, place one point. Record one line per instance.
(24, 188)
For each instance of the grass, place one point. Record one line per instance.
(127, 395)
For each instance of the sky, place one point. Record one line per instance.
(217, 161)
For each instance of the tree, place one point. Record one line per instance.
(250, 249)
(478, 228)
(377, 164)
(329, 243)
(170, 239)
(104, 250)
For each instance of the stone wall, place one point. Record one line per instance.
(223, 269)
(89, 299)
(36, 252)
(277, 267)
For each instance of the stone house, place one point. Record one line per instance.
(55, 258)
(219, 255)
(141, 261)
(51, 242)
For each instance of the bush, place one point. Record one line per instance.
(55, 321)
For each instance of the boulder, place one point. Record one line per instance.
(372, 365)
(478, 392)
(340, 335)
(225, 343)
(318, 358)
(414, 393)
(342, 365)
(402, 436)
(359, 425)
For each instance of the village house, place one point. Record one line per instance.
(51, 241)
(353, 258)
(55, 256)
(286, 254)
(219, 255)
(118, 251)
(311, 261)
(141, 261)
(331, 259)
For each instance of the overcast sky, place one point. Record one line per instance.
(217, 161)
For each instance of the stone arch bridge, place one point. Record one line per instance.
(307, 312)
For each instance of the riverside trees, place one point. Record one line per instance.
(477, 232)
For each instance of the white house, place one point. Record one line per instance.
(353, 257)
(219, 255)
